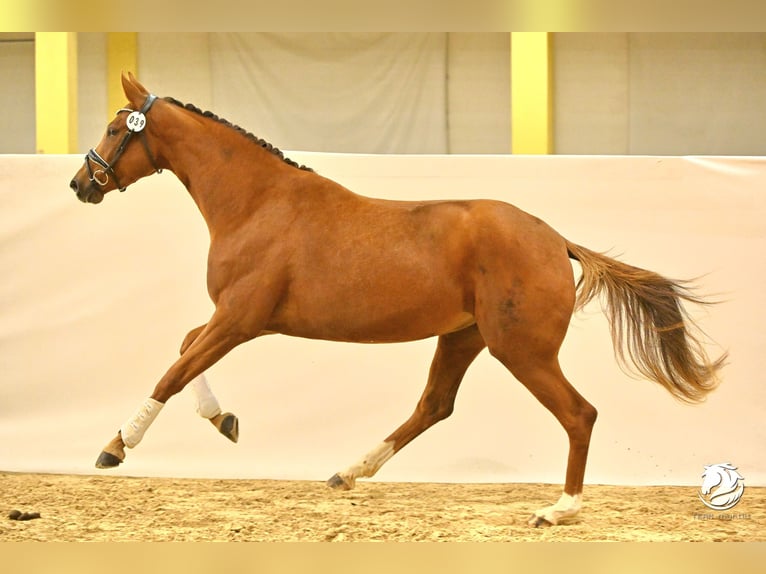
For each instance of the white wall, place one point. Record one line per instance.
(95, 301)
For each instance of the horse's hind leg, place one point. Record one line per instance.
(523, 308)
(529, 350)
(207, 405)
(454, 353)
(548, 384)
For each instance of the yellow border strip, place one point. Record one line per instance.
(56, 92)
(121, 56)
(531, 93)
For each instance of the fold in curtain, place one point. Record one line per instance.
(363, 93)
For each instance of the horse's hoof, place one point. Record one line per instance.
(107, 460)
(230, 427)
(538, 521)
(18, 515)
(338, 483)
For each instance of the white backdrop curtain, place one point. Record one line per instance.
(615, 93)
(373, 93)
(660, 93)
(95, 301)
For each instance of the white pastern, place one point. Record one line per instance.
(207, 404)
(133, 430)
(369, 464)
(565, 509)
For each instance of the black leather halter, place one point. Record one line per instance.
(101, 176)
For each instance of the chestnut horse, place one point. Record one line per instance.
(295, 253)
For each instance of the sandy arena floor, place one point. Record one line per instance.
(103, 508)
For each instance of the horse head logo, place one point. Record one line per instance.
(722, 486)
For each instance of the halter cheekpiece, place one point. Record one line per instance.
(136, 122)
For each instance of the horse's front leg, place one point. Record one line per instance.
(206, 403)
(208, 408)
(216, 339)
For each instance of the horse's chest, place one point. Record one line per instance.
(244, 267)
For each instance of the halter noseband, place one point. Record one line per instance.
(136, 122)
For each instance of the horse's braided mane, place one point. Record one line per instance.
(261, 142)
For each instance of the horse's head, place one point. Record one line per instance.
(124, 154)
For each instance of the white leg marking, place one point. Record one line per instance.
(133, 430)
(369, 464)
(207, 404)
(566, 508)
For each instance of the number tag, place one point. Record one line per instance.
(136, 121)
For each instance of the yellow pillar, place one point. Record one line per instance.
(121, 56)
(56, 91)
(531, 93)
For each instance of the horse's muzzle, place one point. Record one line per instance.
(86, 193)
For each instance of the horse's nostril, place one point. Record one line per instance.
(73, 185)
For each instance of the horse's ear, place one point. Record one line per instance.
(134, 91)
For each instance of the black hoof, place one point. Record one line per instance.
(538, 521)
(230, 427)
(338, 483)
(106, 460)
(18, 515)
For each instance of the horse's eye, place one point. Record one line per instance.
(111, 132)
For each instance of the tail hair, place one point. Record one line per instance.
(652, 333)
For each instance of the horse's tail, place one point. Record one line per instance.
(648, 324)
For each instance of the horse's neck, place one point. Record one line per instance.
(209, 163)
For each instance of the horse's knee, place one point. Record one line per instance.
(166, 389)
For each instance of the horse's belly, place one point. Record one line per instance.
(359, 333)
(371, 320)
